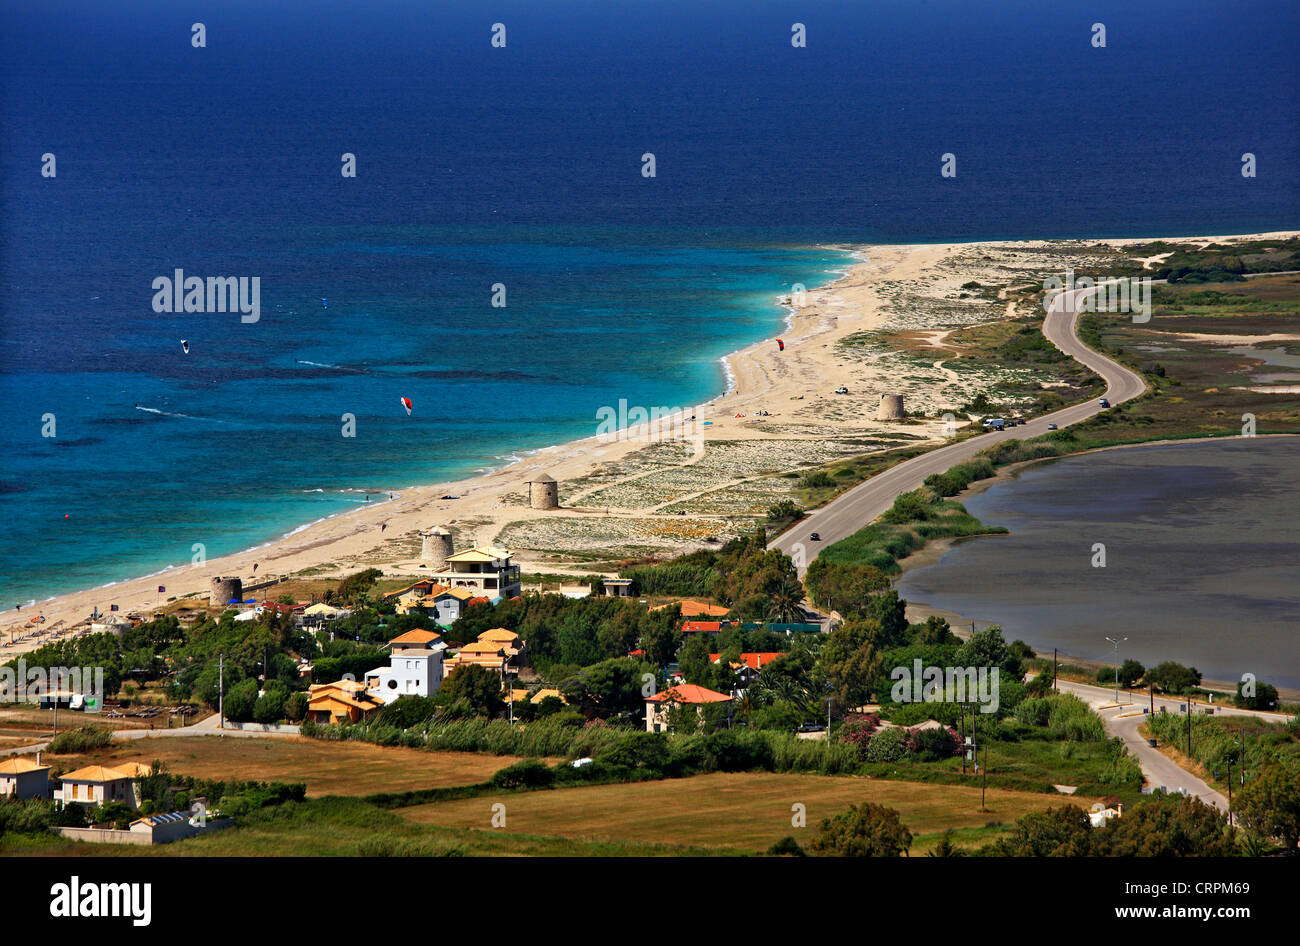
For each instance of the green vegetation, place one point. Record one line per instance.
(81, 739)
(865, 830)
(1163, 826)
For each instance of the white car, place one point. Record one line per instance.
(841, 390)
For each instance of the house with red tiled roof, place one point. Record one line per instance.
(754, 660)
(748, 666)
(702, 627)
(688, 694)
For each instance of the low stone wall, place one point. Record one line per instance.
(286, 729)
(104, 836)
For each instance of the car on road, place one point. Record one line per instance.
(815, 537)
(1104, 402)
(1051, 426)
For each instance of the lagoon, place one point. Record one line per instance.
(1202, 557)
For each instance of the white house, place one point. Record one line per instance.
(414, 668)
(23, 778)
(97, 785)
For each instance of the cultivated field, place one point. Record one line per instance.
(735, 812)
(327, 768)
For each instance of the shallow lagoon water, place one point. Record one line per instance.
(1202, 557)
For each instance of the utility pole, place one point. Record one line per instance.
(985, 781)
(1151, 689)
(221, 691)
(1056, 669)
(962, 724)
(1117, 643)
(1189, 726)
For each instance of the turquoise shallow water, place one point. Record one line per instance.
(522, 165)
(240, 440)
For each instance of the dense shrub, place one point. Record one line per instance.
(81, 739)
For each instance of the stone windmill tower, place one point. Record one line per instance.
(435, 546)
(544, 492)
(891, 407)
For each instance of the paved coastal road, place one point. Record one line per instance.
(1123, 721)
(856, 508)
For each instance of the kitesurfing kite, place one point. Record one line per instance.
(781, 344)
(185, 345)
(406, 403)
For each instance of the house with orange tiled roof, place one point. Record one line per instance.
(415, 667)
(688, 694)
(344, 701)
(23, 778)
(748, 666)
(95, 785)
(701, 627)
(697, 609)
(498, 649)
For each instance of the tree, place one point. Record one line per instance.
(1056, 832)
(408, 711)
(1265, 697)
(295, 707)
(694, 660)
(660, 643)
(935, 632)
(987, 648)
(609, 688)
(846, 588)
(1171, 677)
(852, 659)
(1168, 826)
(786, 847)
(269, 707)
(474, 688)
(1130, 672)
(240, 700)
(945, 847)
(1269, 804)
(890, 611)
(355, 588)
(787, 602)
(866, 830)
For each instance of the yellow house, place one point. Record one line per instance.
(23, 778)
(345, 701)
(96, 785)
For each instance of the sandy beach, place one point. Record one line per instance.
(891, 287)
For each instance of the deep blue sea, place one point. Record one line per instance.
(522, 165)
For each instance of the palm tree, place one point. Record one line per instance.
(786, 604)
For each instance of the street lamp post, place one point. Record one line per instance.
(1117, 643)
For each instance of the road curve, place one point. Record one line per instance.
(859, 506)
(1122, 722)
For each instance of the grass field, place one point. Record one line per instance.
(336, 768)
(737, 813)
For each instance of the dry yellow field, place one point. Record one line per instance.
(327, 768)
(743, 812)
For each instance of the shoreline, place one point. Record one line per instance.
(849, 303)
(933, 552)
